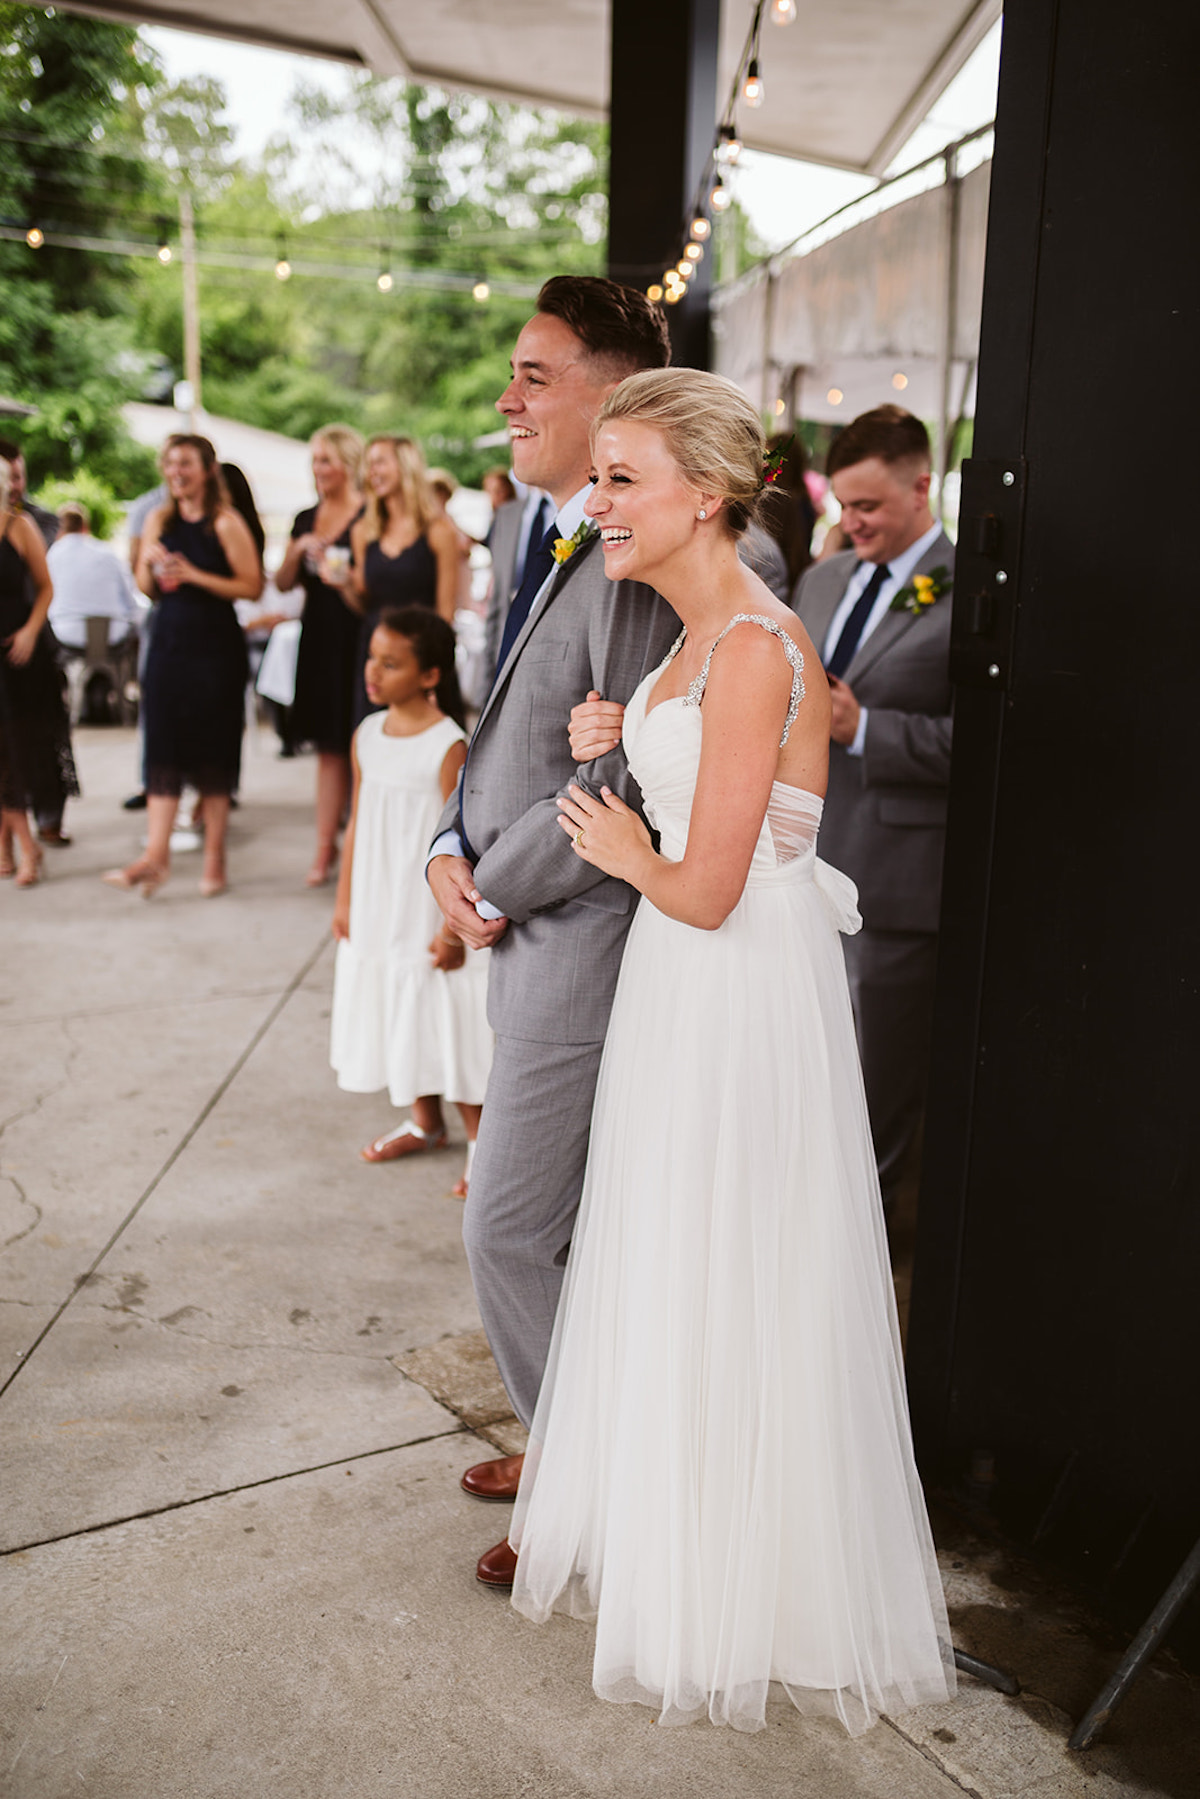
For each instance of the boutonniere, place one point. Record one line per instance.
(921, 592)
(565, 547)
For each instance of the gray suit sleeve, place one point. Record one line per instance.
(532, 866)
(906, 749)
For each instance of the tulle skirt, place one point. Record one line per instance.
(720, 1472)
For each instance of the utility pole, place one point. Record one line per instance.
(191, 306)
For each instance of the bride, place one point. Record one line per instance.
(720, 1471)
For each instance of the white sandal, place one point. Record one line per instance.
(408, 1139)
(461, 1185)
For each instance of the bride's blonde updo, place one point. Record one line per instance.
(712, 433)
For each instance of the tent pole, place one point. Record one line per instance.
(945, 423)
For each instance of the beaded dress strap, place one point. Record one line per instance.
(695, 692)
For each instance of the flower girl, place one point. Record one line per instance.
(409, 1001)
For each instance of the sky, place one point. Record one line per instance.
(783, 197)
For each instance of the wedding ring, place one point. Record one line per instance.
(579, 844)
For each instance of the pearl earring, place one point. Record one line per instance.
(702, 513)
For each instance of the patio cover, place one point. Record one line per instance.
(845, 84)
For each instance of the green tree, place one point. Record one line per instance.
(69, 166)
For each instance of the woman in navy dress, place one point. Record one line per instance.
(403, 553)
(36, 766)
(327, 665)
(197, 557)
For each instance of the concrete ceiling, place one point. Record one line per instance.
(845, 84)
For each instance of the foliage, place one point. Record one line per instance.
(105, 509)
(413, 183)
(440, 191)
(67, 87)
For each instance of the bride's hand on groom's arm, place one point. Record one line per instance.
(595, 727)
(606, 833)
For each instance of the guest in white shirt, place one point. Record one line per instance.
(90, 581)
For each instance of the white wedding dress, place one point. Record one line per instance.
(720, 1469)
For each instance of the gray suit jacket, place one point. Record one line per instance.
(554, 971)
(885, 811)
(503, 539)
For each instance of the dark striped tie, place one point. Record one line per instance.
(852, 630)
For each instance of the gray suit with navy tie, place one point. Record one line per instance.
(884, 824)
(554, 972)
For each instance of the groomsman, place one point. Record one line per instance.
(880, 615)
(505, 874)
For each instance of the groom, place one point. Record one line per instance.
(506, 875)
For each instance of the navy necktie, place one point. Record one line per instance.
(852, 630)
(538, 564)
(542, 518)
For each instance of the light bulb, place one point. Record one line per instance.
(700, 226)
(899, 382)
(693, 252)
(35, 237)
(730, 146)
(654, 293)
(384, 283)
(835, 396)
(753, 91)
(783, 12)
(481, 291)
(163, 252)
(720, 197)
(687, 270)
(283, 269)
(673, 295)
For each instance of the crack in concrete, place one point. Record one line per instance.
(30, 1111)
(144, 1006)
(934, 1761)
(23, 1199)
(246, 1486)
(205, 1112)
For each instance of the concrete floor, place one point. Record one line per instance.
(242, 1371)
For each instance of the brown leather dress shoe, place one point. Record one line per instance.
(498, 1566)
(494, 1480)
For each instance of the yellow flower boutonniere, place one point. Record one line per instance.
(565, 547)
(921, 592)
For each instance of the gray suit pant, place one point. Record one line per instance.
(891, 987)
(525, 1186)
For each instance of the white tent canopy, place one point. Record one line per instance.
(845, 84)
(888, 309)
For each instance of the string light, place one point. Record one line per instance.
(283, 268)
(899, 382)
(35, 237)
(753, 91)
(693, 252)
(700, 226)
(384, 282)
(654, 293)
(835, 396)
(163, 253)
(783, 12)
(729, 144)
(481, 291)
(720, 198)
(687, 270)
